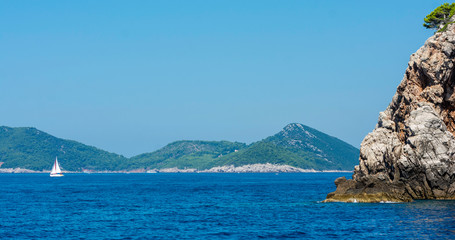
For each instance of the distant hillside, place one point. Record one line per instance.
(33, 149)
(296, 145)
(185, 154)
(299, 146)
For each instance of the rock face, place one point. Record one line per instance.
(258, 168)
(411, 152)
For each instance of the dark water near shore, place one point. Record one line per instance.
(205, 206)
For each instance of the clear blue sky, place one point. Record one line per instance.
(131, 76)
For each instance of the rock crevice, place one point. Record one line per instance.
(411, 152)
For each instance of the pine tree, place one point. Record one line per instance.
(440, 17)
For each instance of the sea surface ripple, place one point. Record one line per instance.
(205, 206)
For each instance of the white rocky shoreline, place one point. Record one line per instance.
(250, 168)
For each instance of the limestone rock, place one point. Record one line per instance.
(257, 168)
(411, 152)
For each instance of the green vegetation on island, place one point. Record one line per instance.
(185, 154)
(33, 149)
(300, 146)
(296, 145)
(439, 19)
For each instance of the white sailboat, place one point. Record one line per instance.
(56, 171)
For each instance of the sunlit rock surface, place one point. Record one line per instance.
(410, 153)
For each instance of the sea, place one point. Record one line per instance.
(206, 206)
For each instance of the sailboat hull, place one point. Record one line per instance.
(57, 175)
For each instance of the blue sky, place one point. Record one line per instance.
(131, 76)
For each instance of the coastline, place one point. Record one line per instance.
(251, 168)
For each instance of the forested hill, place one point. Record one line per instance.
(299, 146)
(186, 154)
(33, 149)
(296, 145)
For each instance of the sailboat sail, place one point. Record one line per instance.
(56, 171)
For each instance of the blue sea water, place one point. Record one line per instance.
(205, 206)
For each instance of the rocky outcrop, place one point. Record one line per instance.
(258, 168)
(249, 168)
(411, 152)
(18, 170)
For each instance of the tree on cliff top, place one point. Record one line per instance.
(440, 17)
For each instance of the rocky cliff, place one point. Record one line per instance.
(411, 152)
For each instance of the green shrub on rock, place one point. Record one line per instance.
(440, 17)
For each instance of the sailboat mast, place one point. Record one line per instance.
(57, 167)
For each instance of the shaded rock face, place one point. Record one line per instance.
(411, 152)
